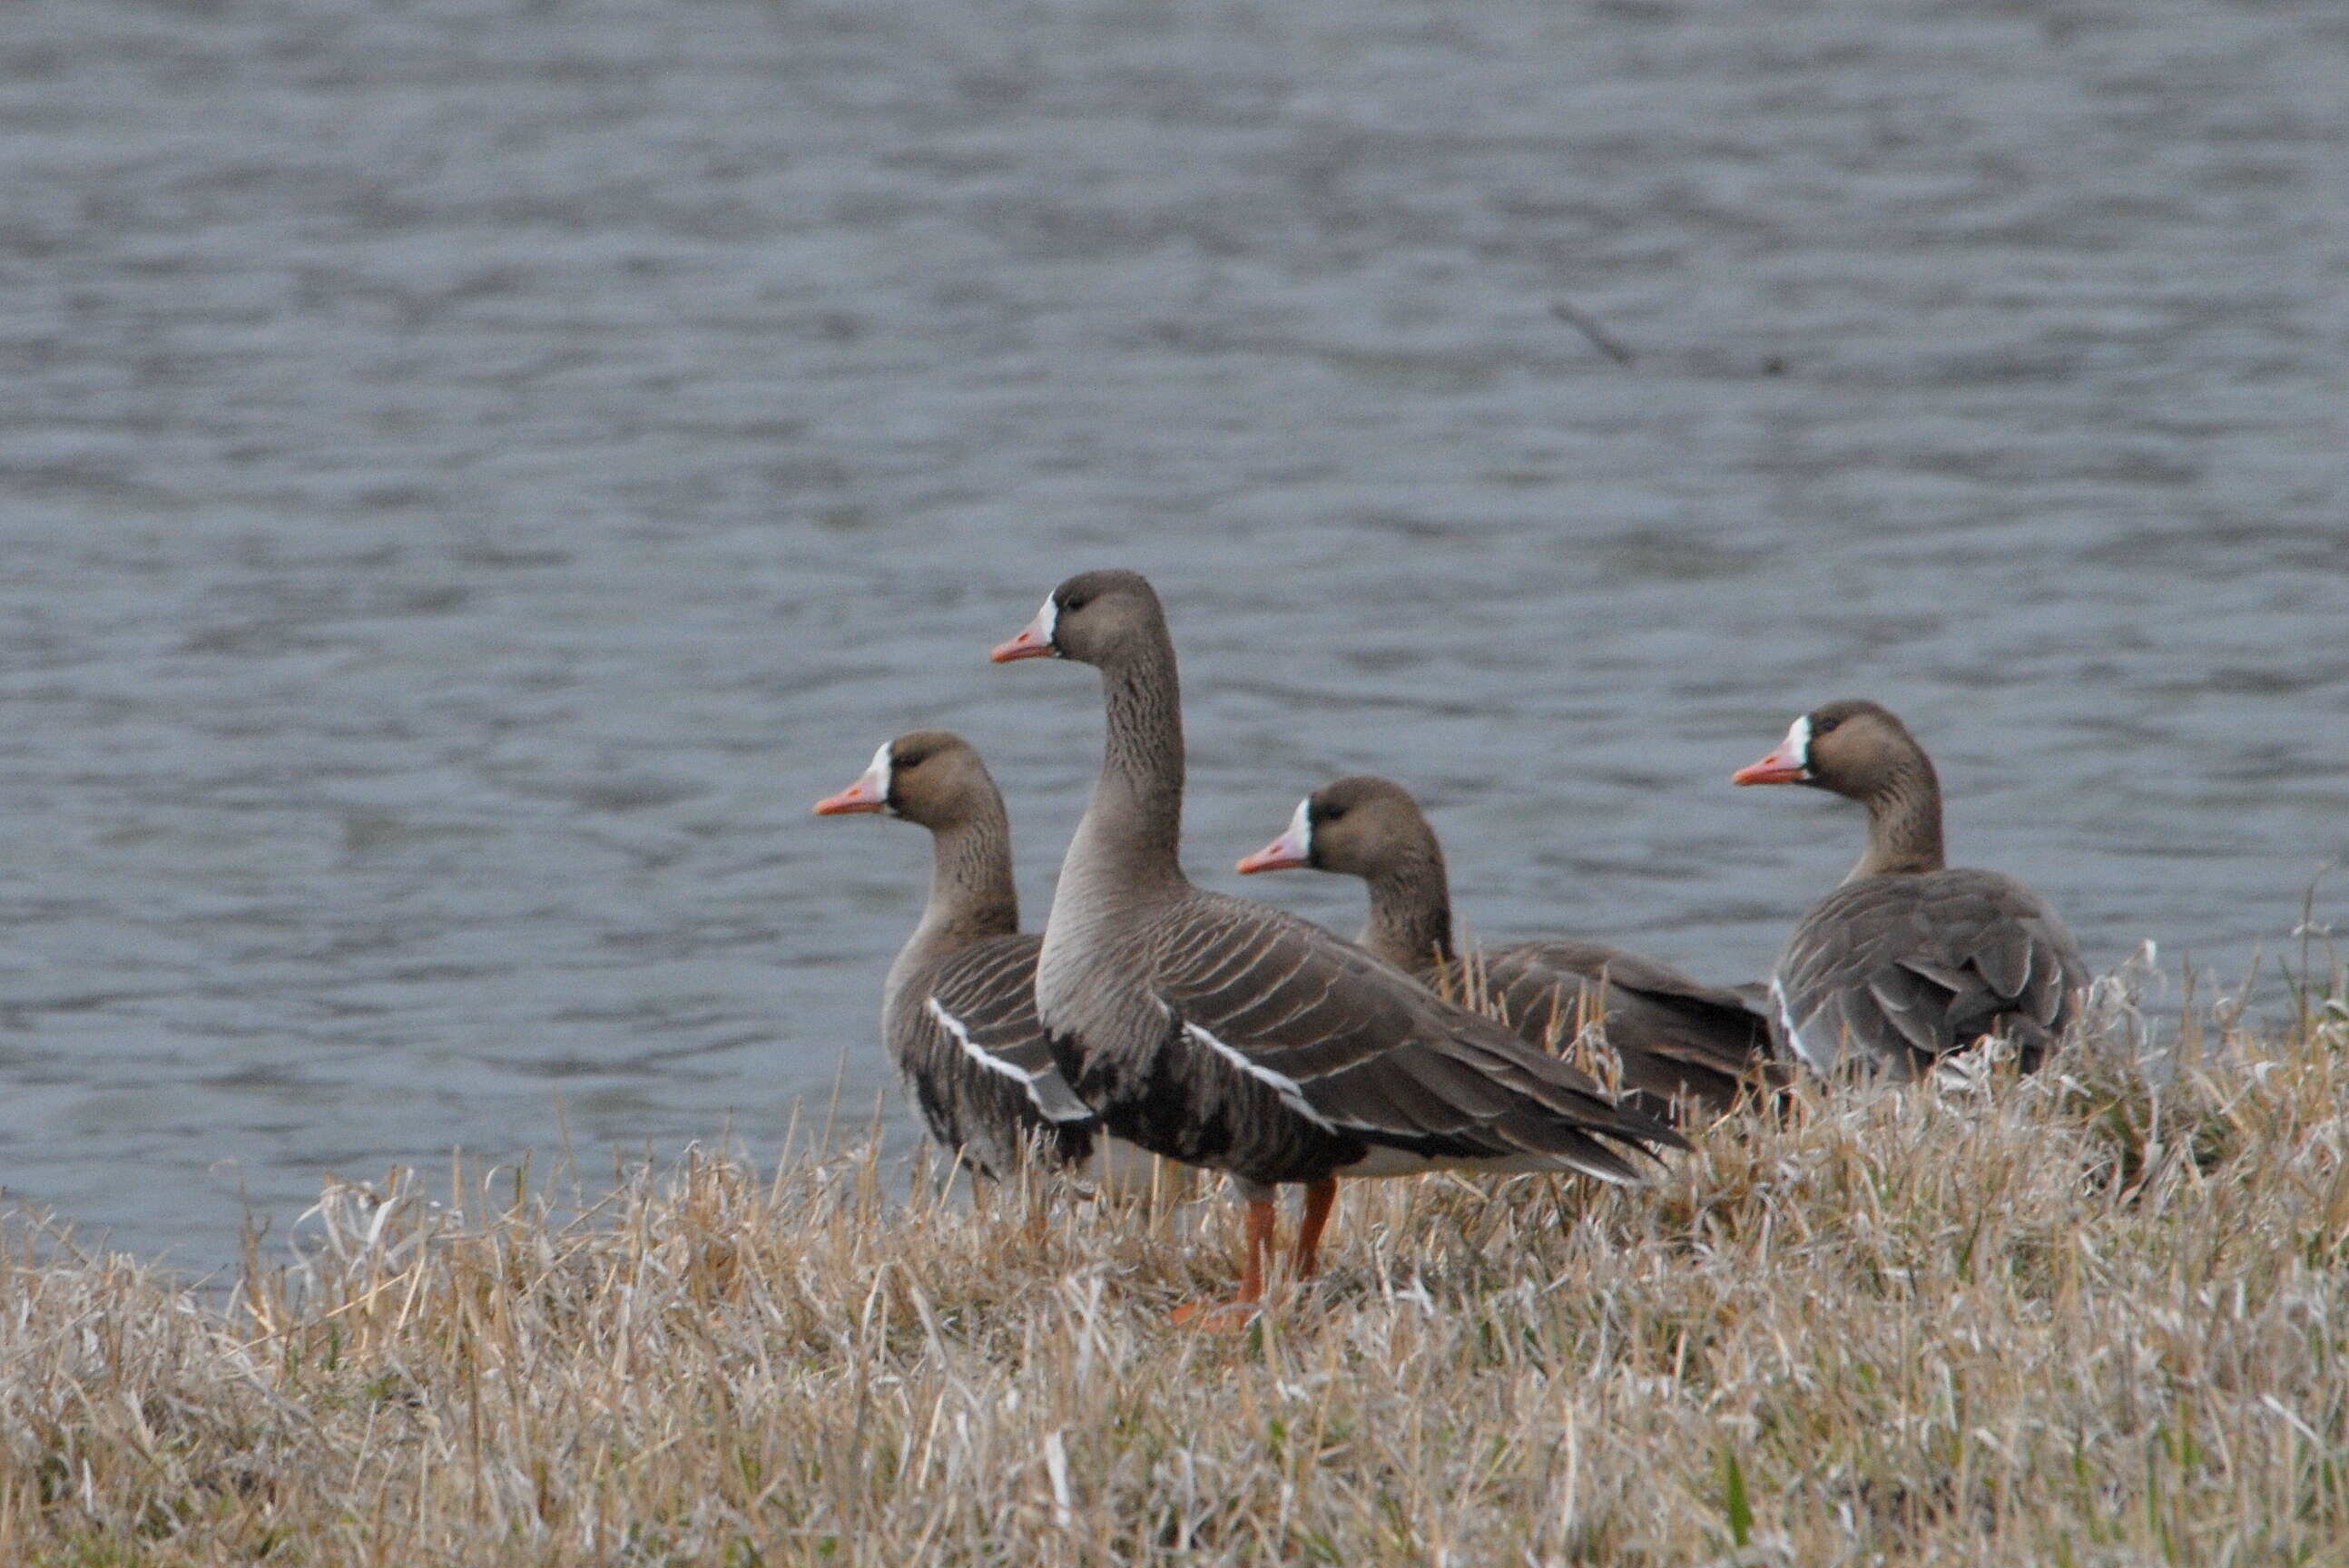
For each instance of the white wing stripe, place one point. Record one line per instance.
(1794, 1034)
(976, 1051)
(1291, 1092)
(990, 1061)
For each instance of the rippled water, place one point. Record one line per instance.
(472, 475)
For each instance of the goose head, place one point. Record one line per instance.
(1099, 618)
(929, 777)
(1852, 746)
(1360, 826)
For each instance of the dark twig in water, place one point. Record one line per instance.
(1591, 330)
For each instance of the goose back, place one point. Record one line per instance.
(1897, 971)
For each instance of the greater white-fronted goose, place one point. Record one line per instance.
(1909, 959)
(1233, 1036)
(958, 1009)
(1677, 1040)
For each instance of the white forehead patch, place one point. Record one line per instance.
(1301, 827)
(1048, 619)
(876, 782)
(1799, 743)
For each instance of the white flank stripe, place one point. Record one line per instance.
(972, 1048)
(993, 1063)
(1794, 1034)
(1291, 1092)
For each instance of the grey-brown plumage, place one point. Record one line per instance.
(1675, 1038)
(1909, 959)
(1231, 1035)
(958, 1009)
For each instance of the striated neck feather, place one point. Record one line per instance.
(1133, 828)
(972, 894)
(1904, 821)
(1410, 913)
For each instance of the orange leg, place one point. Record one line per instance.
(1321, 1197)
(1262, 1215)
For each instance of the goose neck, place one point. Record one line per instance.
(1904, 822)
(1136, 820)
(972, 893)
(1411, 915)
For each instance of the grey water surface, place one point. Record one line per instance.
(472, 474)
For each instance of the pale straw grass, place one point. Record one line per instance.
(2096, 1316)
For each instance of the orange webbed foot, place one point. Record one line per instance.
(1239, 1312)
(1209, 1317)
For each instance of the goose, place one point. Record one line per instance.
(1909, 959)
(1677, 1040)
(1233, 1036)
(958, 1008)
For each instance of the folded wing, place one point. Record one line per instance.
(1360, 1048)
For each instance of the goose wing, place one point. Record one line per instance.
(982, 1002)
(1361, 1048)
(1673, 1035)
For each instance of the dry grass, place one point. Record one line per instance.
(2097, 1316)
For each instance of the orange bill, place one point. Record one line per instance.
(869, 793)
(1035, 642)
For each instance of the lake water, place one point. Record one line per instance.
(472, 475)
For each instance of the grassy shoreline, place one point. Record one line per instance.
(2097, 1316)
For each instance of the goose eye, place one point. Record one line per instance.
(1822, 725)
(913, 760)
(1329, 813)
(1074, 601)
